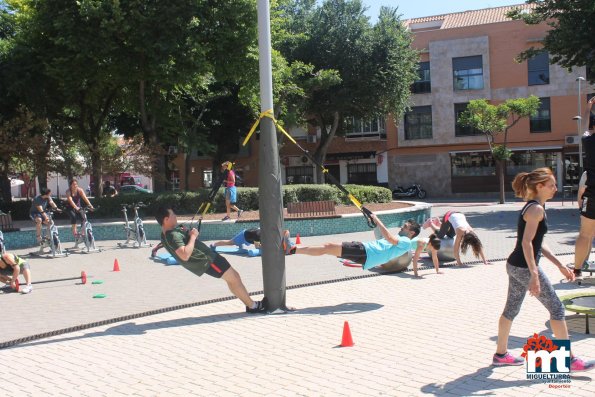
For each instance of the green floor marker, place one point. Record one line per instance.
(97, 282)
(99, 296)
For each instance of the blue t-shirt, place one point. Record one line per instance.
(381, 251)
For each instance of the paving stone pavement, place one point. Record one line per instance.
(429, 336)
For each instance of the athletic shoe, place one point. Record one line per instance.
(26, 289)
(226, 218)
(577, 364)
(508, 359)
(288, 246)
(260, 308)
(240, 212)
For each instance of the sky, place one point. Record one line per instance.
(424, 8)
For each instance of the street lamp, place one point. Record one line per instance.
(578, 123)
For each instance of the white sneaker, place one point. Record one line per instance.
(26, 289)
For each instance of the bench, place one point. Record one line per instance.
(6, 223)
(311, 208)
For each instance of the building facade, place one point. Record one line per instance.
(471, 55)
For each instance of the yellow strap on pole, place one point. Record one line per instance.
(266, 113)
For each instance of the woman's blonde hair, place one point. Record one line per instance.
(525, 183)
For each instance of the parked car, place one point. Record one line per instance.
(132, 189)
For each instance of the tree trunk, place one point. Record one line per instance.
(97, 172)
(325, 142)
(5, 185)
(501, 176)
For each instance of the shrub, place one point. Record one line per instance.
(189, 202)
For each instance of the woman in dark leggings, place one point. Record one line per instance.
(535, 187)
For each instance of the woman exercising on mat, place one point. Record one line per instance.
(454, 224)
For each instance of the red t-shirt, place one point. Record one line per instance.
(231, 179)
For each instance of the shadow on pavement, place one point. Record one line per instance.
(478, 382)
(140, 329)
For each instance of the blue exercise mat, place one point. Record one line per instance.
(235, 250)
(167, 258)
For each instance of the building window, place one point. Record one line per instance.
(362, 174)
(461, 130)
(467, 73)
(473, 164)
(357, 128)
(418, 123)
(422, 85)
(539, 69)
(302, 174)
(530, 160)
(542, 121)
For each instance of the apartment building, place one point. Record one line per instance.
(471, 55)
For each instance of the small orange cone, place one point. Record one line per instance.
(298, 240)
(116, 266)
(346, 341)
(17, 285)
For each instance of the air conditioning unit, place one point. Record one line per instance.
(172, 150)
(572, 139)
(311, 138)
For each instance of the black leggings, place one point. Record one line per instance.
(74, 215)
(446, 229)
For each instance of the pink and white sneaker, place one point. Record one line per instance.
(508, 359)
(577, 365)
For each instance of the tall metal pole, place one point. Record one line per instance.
(579, 122)
(270, 201)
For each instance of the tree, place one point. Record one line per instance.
(495, 121)
(359, 69)
(570, 41)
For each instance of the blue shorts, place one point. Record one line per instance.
(239, 239)
(230, 194)
(35, 214)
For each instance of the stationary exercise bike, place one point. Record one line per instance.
(50, 237)
(85, 235)
(134, 234)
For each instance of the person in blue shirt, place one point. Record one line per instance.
(370, 253)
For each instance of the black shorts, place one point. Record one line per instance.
(219, 266)
(588, 208)
(354, 251)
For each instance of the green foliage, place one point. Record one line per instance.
(501, 152)
(570, 39)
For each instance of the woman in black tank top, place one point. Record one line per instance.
(536, 187)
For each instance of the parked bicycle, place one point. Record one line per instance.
(135, 234)
(50, 237)
(85, 234)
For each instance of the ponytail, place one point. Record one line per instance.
(525, 183)
(434, 241)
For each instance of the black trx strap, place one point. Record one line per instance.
(205, 205)
(367, 213)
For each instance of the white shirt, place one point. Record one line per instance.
(458, 220)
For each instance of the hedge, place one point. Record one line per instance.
(188, 202)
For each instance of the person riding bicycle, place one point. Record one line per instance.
(74, 196)
(38, 207)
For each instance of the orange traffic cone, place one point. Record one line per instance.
(17, 285)
(346, 341)
(116, 266)
(298, 240)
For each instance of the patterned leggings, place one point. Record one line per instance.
(518, 283)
